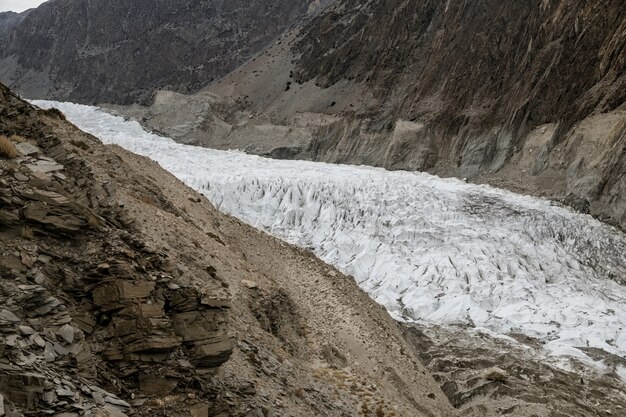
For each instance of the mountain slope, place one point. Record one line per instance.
(525, 95)
(443, 251)
(514, 65)
(126, 293)
(120, 51)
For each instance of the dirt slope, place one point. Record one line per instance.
(126, 293)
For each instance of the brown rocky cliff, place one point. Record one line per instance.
(512, 65)
(482, 83)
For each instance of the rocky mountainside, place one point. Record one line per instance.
(124, 292)
(10, 19)
(120, 51)
(492, 64)
(526, 95)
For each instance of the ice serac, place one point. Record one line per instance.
(429, 249)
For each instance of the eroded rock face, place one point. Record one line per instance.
(120, 51)
(480, 377)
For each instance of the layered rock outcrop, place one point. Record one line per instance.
(90, 311)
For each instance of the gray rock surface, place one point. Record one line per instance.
(9, 20)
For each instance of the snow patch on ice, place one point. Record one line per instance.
(430, 250)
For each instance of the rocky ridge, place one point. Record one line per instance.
(90, 311)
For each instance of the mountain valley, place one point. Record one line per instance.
(271, 208)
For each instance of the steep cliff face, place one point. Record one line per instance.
(527, 95)
(120, 51)
(475, 65)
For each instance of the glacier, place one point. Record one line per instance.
(430, 250)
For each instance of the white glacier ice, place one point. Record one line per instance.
(429, 249)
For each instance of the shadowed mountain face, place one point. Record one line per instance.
(120, 51)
